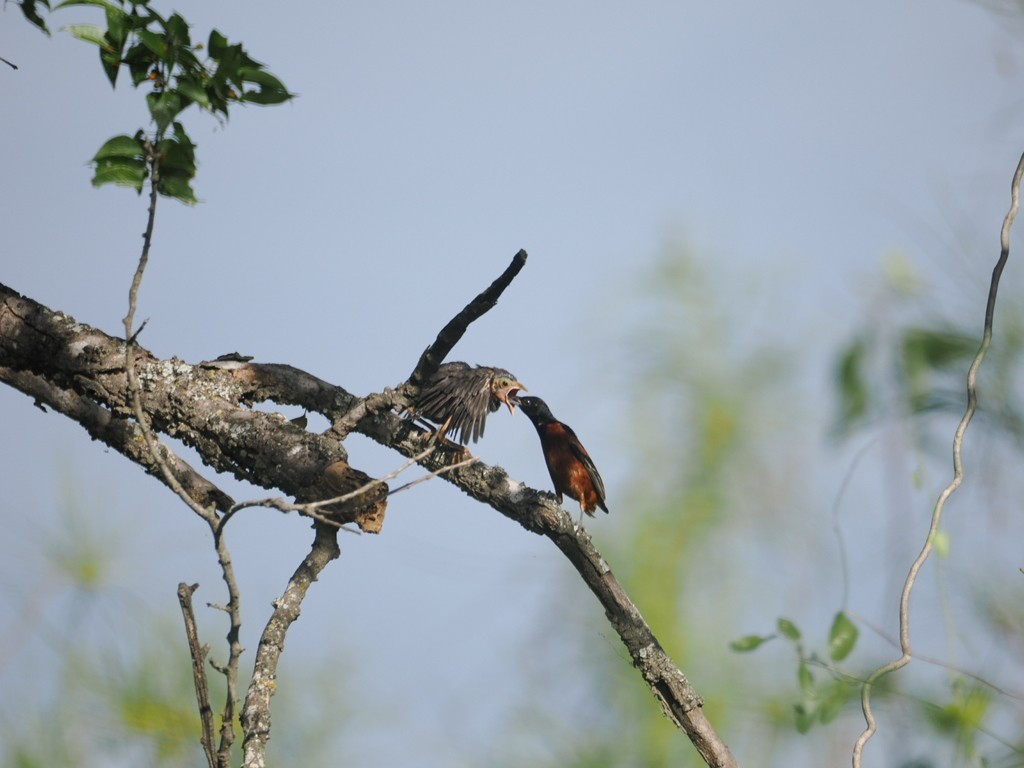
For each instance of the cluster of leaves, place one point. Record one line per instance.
(158, 52)
(930, 362)
(821, 701)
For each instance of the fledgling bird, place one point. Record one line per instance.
(459, 397)
(570, 466)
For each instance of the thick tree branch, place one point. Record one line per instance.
(256, 712)
(205, 407)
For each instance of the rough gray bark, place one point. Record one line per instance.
(79, 371)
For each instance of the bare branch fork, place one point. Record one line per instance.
(79, 371)
(906, 649)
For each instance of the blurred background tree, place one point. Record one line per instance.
(731, 528)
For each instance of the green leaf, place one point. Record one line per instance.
(806, 679)
(193, 89)
(177, 31)
(177, 166)
(788, 629)
(117, 26)
(95, 3)
(216, 44)
(963, 717)
(749, 642)
(156, 43)
(141, 61)
(927, 352)
(941, 543)
(832, 703)
(803, 716)
(164, 107)
(271, 90)
(853, 390)
(177, 159)
(116, 39)
(842, 637)
(123, 171)
(90, 33)
(122, 147)
(938, 349)
(31, 13)
(177, 188)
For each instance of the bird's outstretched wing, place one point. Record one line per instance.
(460, 393)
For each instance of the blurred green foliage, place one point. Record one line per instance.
(907, 361)
(118, 687)
(708, 434)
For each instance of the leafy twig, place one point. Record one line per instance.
(871, 724)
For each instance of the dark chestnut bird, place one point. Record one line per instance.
(459, 397)
(570, 466)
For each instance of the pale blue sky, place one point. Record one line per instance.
(791, 145)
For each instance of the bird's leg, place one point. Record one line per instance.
(441, 436)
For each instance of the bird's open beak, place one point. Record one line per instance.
(510, 396)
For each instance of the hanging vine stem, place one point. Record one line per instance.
(871, 724)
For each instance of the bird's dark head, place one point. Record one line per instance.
(536, 409)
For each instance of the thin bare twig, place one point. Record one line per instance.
(311, 508)
(198, 653)
(871, 724)
(147, 240)
(235, 650)
(436, 473)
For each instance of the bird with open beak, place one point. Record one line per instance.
(459, 397)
